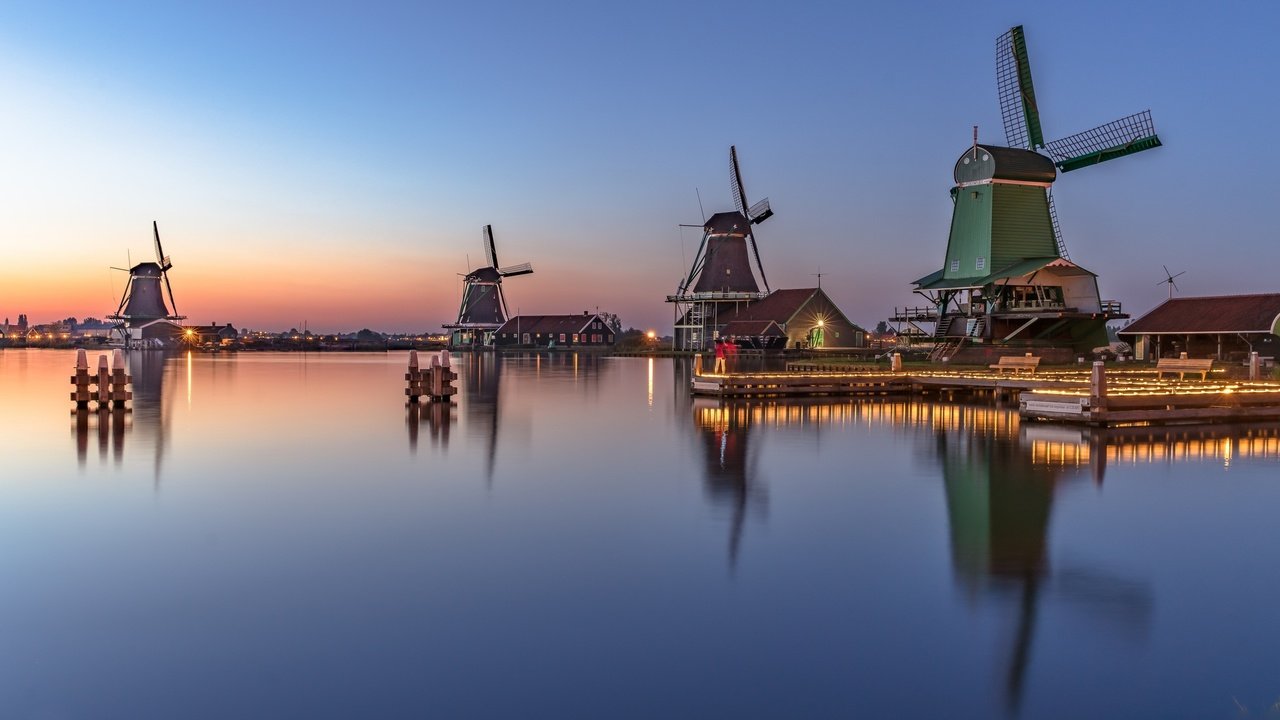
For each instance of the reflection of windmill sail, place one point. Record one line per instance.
(149, 407)
(728, 465)
(999, 502)
(483, 375)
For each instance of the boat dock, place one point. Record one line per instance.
(1098, 396)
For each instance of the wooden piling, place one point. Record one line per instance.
(119, 392)
(1098, 387)
(1255, 366)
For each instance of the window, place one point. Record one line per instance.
(575, 338)
(561, 337)
(982, 263)
(955, 266)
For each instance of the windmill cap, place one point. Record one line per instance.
(146, 269)
(726, 223)
(992, 162)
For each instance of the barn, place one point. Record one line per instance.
(1224, 327)
(585, 330)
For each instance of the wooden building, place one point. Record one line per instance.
(1225, 327)
(795, 318)
(212, 334)
(585, 330)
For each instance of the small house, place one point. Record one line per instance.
(796, 318)
(585, 330)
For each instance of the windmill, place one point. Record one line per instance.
(721, 272)
(1169, 280)
(1007, 279)
(1021, 117)
(142, 315)
(483, 309)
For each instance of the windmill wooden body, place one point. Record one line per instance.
(142, 318)
(1007, 281)
(721, 280)
(484, 308)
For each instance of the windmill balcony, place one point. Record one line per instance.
(926, 313)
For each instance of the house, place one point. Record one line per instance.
(1225, 327)
(585, 330)
(796, 318)
(211, 334)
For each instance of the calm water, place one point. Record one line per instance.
(277, 536)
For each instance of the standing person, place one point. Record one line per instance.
(719, 356)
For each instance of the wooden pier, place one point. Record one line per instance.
(1097, 397)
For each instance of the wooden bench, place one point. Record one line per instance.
(1182, 366)
(1017, 363)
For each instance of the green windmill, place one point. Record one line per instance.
(1007, 282)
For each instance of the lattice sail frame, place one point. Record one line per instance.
(1018, 109)
(1117, 138)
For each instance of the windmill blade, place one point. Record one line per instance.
(490, 249)
(1118, 138)
(1018, 108)
(1057, 229)
(759, 212)
(755, 250)
(735, 182)
(1174, 277)
(173, 306)
(163, 261)
(521, 269)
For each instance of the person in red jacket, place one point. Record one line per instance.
(720, 352)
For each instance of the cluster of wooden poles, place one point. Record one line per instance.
(108, 387)
(435, 382)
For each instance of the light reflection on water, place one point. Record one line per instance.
(576, 536)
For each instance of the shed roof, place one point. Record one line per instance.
(753, 328)
(1213, 314)
(548, 324)
(779, 305)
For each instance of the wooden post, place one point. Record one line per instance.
(1098, 386)
(120, 393)
(1182, 355)
(1255, 366)
(895, 363)
(81, 381)
(697, 364)
(414, 378)
(104, 382)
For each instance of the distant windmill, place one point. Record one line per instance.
(483, 308)
(721, 270)
(1169, 280)
(142, 313)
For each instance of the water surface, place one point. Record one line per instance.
(277, 535)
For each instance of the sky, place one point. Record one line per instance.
(333, 163)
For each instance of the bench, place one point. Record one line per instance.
(1182, 366)
(1017, 363)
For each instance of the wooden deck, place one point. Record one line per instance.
(1096, 397)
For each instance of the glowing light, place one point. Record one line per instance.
(651, 334)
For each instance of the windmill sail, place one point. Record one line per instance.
(1118, 138)
(1018, 109)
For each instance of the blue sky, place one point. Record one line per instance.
(334, 162)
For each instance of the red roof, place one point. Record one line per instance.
(1217, 314)
(753, 328)
(548, 324)
(779, 305)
